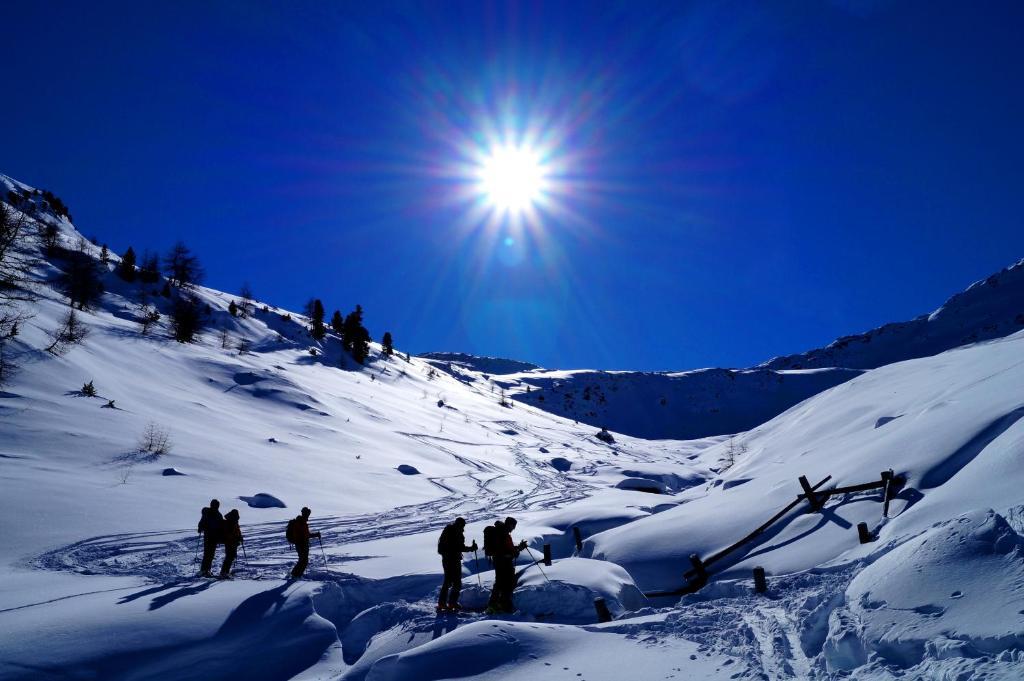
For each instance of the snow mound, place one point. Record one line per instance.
(263, 500)
(643, 485)
(565, 591)
(955, 591)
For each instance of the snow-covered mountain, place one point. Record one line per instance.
(99, 539)
(706, 402)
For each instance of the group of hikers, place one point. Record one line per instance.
(217, 529)
(499, 549)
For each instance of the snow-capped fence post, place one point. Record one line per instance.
(812, 498)
(547, 555)
(700, 572)
(760, 582)
(578, 537)
(887, 480)
(603, 613)
(864, 534)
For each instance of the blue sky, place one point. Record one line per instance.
(729, 181)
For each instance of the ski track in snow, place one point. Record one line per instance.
(169, 555)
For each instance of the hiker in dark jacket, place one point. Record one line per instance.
(451, 545)
(505, 557)
(232, 535)
(211, 525)
(301, 536)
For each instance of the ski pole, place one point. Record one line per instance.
(245, 555)
(195, 560)
(319, 541)
(477, 558)
(537, 563)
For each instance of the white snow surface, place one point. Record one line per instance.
(97, 561)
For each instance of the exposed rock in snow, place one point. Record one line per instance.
(263, 500)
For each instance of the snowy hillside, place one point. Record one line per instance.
(483, 365)
(707, 402)
(99, 551)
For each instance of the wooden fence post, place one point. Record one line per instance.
(887, 493)
(547, 554)
(812, 498)
(864, 534)
(760, 582)
(578, 537)
(603, 614)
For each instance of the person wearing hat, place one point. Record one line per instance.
(299, 534)
(232, 537)
(505, 568)
(450, 545)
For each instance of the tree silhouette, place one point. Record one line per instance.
(126, 268)
(182, 266)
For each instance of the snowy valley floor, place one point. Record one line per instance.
(99, 545)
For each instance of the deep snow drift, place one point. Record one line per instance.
(99, 539)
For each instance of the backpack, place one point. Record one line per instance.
(291, 531)
(492, 538)
(443, 540)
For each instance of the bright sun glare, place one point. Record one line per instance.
(512, 179)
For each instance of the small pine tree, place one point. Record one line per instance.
(149, 271)
(338, 322)
(245, 293)
(89, 390)
(355, 337)
(50, 236)
(182, 266)
(105, 255)
(233, 309)
(70, 333)
(81, 279)
(148, 317)
(317, 328)
(387, 345)
(126, 268)
(185, 319)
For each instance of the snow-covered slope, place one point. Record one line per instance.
(98, 555)
(987, 309)
(692, 404)
(483, 365)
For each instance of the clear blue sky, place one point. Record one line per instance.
(735, 180)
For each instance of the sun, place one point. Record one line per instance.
(512, 179)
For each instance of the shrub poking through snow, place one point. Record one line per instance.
(155, 440)
(70, 333)
(89, 390)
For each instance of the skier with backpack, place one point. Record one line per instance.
(297, 532)
(211, 525)
(450, 546)
(232, 536)
(504, 555)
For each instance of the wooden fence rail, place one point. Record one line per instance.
(697, 576)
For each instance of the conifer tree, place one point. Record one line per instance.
(185, 319)
(149, 272)
(387, 345)
(317, 329)
(81, 280)
(356, 338)
(182, 266)
(338, 323)
(233, 309)
(126, 268)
